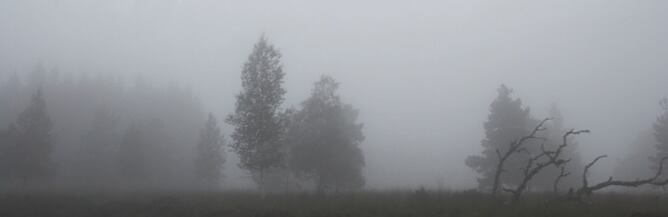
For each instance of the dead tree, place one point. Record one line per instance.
(587, 190)
(515, 146)
(660, 183)
(562, 174)
(537, 163)
(546, 158)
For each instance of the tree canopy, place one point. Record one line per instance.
(507, 121)
(325, 139)
(258, 129)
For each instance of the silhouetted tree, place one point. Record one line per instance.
(257, 127)
(507, 122)
(210, 153)
(554, 138)
(32, 134)
(586, 189)
(325, 139)
(538, 162)
(281, 178)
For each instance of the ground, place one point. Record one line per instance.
(365, 204)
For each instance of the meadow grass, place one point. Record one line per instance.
(363, 204)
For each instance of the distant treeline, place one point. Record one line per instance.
(86, 128)
(97, 132)
(100, 132)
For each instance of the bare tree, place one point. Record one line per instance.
(562, 174)
(515, 146)
(539, 162)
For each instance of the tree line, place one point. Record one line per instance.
(99, 133)
(95, 132)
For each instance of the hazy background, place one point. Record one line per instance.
(422, 73)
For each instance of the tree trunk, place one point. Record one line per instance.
(497, 176)
(262, 190)
(287, 181)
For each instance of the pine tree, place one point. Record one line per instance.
(508, 121)
(32, 134)
(258, 132)
(210, 158)
(325, 139)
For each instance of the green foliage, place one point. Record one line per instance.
(257, 124)
(325, 138)
(508, 121)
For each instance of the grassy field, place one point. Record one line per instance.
(364, 204)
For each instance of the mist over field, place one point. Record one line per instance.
(420, 77)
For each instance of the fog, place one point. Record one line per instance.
(421, 73)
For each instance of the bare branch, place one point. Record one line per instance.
(586, 170)
(660, 183)
(536, 164)
(562, 174)
(587, 190)
(515, 146)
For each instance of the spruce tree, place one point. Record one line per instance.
(210, 153)
(32, 134)
(507, 121)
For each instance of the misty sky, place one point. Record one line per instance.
(422, 73)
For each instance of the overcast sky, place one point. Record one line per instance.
(422, 73)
